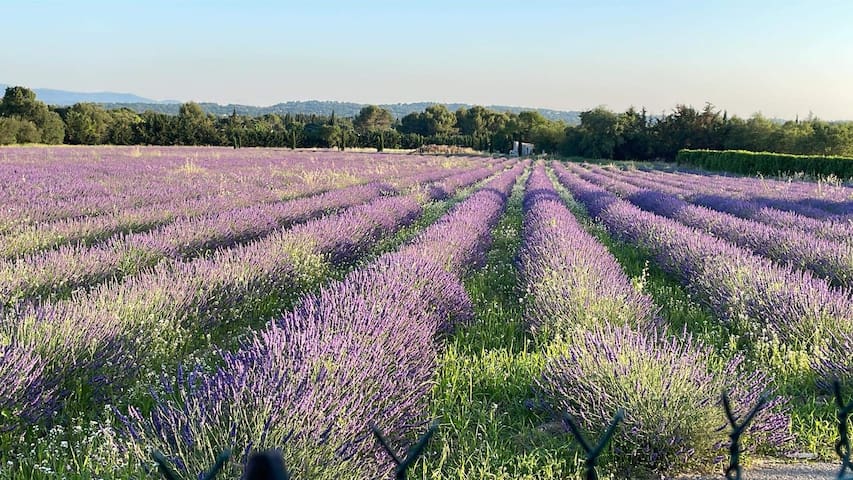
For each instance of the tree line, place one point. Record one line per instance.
(631, 135)
(635, 135)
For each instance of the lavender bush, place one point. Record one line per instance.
(839, 230)
(669, 389)
(572, 281)
(829, 259)
(78, 265)
(24, 392)
(834, 361)
(765, 300)
(606, 351)
(102, 339)
(93, 182)
(360, 350)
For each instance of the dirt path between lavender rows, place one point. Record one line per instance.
(777, 470)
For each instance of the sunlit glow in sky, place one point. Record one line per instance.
(781, 58)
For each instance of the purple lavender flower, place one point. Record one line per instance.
(761, 298)
(101, 338)
(24, 393)
(669, 388)
(834, 361)
(572, 281)
(791, 246)
(360, 350)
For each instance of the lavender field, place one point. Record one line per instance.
(192, 300)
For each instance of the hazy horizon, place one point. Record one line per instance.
(783, 59)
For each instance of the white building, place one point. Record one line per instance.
(521, 149)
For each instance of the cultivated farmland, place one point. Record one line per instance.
(191, 301)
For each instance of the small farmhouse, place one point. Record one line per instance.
(521, 149)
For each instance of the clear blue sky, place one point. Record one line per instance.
(782, 58)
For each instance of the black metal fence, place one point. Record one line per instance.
(269, 465)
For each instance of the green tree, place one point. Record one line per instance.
(472, 121)
(372, 119)
(438, 120)
(528, 121)
(8, 130)
(547, 136)
(157, 128)
(829, 138)
(330, 135)
(413, 123)
(86, 124)
(21, 103)
(15, 130)
(122, 129)
(195, 127)
(51, 126)
(235, 129)
(600, 133)
(634, 127)
(680, 129)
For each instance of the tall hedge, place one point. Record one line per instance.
(741, 161)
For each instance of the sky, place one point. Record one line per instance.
(781, 58)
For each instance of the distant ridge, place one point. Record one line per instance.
(64, 98)
(112, 100)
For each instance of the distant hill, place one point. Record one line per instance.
(113, 100)
(65, 98)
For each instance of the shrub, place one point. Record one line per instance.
(741, 161)
(834, 361)
(572, 280)
(669, 388)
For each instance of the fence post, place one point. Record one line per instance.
(402, 465)
(734, 471)
(842, 446)
(167, 472)
(592, 453)
(266, 466)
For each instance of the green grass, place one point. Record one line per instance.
(432, 211)
(83, 438)
(483, 391)
(813, 422)
(483, 395)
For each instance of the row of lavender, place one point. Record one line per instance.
(811, 200)
(361, 350)
(766, 301)
(124, 177)
(161, 200)
(94, 343)
(57, 272)
(42, 185)
(606, 350)
(814, 199)
(785, 245)
(835, 229)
